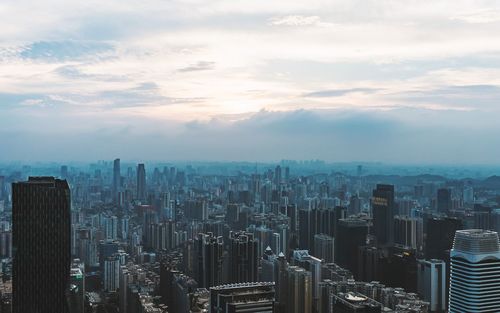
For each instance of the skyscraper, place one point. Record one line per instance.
(439, 236)
(350, 236)
(141, 182)
(444, 200)
(383, 214)
(475, 272)
(64, 171)
(277, 176)
(116, 179)
(41, 241)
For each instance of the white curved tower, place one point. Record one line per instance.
(475, 272)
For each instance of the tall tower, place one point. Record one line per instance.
(116, 179)
(475, 272)
(41, 240)
(141, 182)
(383, 214)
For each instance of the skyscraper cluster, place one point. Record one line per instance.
(167, 239)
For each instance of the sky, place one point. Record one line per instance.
(340, 80)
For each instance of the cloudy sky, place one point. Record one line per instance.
(339, 80)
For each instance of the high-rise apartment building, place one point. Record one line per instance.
(41, 243)
(431, 278)
(243, 257)
(324, 247)
(299, 297)
(208, 260)
(112, 273)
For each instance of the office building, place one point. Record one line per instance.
(383, 214)
(439, 236)
(351, 235)
(42, 244)
(475, 272)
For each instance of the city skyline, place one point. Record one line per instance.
(290, 237)
(336, 80)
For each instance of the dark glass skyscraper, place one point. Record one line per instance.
(116, 179)
(141, 182)
(351, 235)
(444, 200)
(383, 214)
(41, 241)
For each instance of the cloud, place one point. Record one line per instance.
(455, 97)
(199, 66)
(339, 92)
(479, 17)
(296, 20)
(332, 135)
(64, 50)
(186, 67)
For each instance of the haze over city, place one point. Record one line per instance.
(390, 81)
